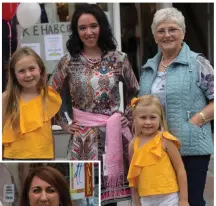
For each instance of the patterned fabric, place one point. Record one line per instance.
(206, 77)
(93, 87)
(159, 87)
(205, 81)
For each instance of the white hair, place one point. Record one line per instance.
(168, 15)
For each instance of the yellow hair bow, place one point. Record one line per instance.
(134, 101)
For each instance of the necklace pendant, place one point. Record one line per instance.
(166, 66)
(165, 69)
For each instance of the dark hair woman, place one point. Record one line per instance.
(92, 71)
(106, 42)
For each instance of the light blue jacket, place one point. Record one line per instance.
(183, 99)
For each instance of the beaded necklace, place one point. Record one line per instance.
(93, 61)
(166, 66)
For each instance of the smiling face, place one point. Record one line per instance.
(88, 30)
(27, 72)
(169, 37)
(147, 121)
(42, 193)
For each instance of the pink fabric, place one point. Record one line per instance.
(113, 145)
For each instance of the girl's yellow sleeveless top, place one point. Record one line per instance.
(151, 170)
(34, 139)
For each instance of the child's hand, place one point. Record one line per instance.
(183, 203)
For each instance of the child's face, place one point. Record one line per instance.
(27, 72)
(147, 120)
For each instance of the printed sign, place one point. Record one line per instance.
(53, 47)
(37, 33)
(8, 195)
(88, 180)
(45, 29)
(81, 180)
(33, 46)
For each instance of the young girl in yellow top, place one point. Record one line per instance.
(156, 170)
(27, 108)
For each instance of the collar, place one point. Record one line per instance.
(182, 58)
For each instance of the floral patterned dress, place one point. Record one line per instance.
(93, 87)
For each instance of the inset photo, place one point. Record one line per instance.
(53, 184)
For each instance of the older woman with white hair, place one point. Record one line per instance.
(184, 82)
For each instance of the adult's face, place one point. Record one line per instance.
(42, 193)
(88, 30)
(169, 37)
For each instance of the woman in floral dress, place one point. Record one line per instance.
(92, 70)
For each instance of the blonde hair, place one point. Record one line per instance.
(149, 100)
(14, 89)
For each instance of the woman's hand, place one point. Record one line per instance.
(207, 112)
(183, 203)
(196, 120)
(124, 121)
(72, 128)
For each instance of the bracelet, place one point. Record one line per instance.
(203, 117)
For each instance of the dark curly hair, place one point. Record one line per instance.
(106, 41)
